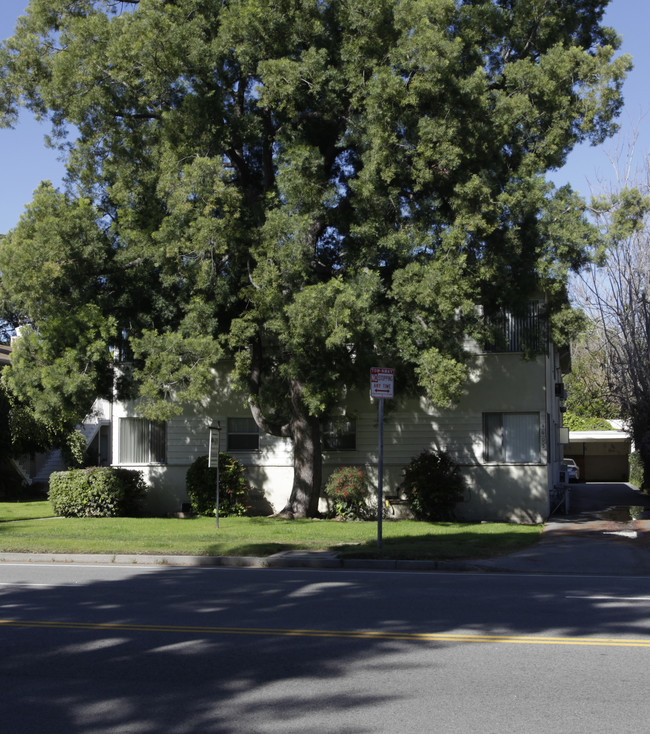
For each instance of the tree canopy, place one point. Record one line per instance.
(303, 187)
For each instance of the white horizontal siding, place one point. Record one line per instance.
(188, 438)
(407, 434)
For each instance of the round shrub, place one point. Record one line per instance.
(201, 483)
(433, 486)
(347, 490)
(99, 491)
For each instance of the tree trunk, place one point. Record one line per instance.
(307, 461)
(304, 432)
(307, 469)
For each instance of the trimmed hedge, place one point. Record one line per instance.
(97, 492)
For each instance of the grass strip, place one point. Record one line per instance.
(22, 532)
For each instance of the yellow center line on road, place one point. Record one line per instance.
(341, 634)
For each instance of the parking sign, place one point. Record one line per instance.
(381, 382)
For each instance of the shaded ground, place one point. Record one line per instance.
(599, 535)
(596, 497)
(617, 510)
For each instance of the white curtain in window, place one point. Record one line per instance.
(141, 441)
(521, 437)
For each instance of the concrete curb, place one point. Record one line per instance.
(317, 560)
(127, 560)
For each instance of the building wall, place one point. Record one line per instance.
(499, 383)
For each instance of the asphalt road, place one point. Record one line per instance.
(152, 649)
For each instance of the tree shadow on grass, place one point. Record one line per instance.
(445, 546)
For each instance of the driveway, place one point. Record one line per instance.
(600, 535)
(593, 498)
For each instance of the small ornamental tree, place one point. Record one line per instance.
(347, 491)
(201, 481)
(433, 486)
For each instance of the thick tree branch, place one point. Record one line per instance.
(255, 386)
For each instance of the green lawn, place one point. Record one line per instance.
(24, 510)
(30, 527)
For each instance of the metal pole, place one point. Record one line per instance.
(216, 428)
(380, 472)
(218, 451)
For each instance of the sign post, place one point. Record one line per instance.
(212, 462)
(381, 387)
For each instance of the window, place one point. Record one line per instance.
(142, 441)
(512, 438)
(340, 435)
(243, 435)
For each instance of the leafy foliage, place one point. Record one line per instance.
(347, 489)
(581, 423)
(269, 181)
(97, 492)
(589, 395)
(26, 432)
(636, 469)
(74, 449)
(433, 486)
(201, 482)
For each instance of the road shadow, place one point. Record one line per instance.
(214, 650)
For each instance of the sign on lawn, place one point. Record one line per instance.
(381, 382)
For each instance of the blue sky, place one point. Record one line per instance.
(26, 160)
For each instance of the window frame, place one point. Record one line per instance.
(251, 436)
(155, 445)
(497, 449)
(333, 435)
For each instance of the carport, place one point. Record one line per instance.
(602, 456)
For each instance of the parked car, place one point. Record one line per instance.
(572, 470)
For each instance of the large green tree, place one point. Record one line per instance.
(304, 187)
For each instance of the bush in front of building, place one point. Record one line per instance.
(97, 492)
(347, 490)
(234, 489)
(433, 486)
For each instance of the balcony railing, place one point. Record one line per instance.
(528, 332)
